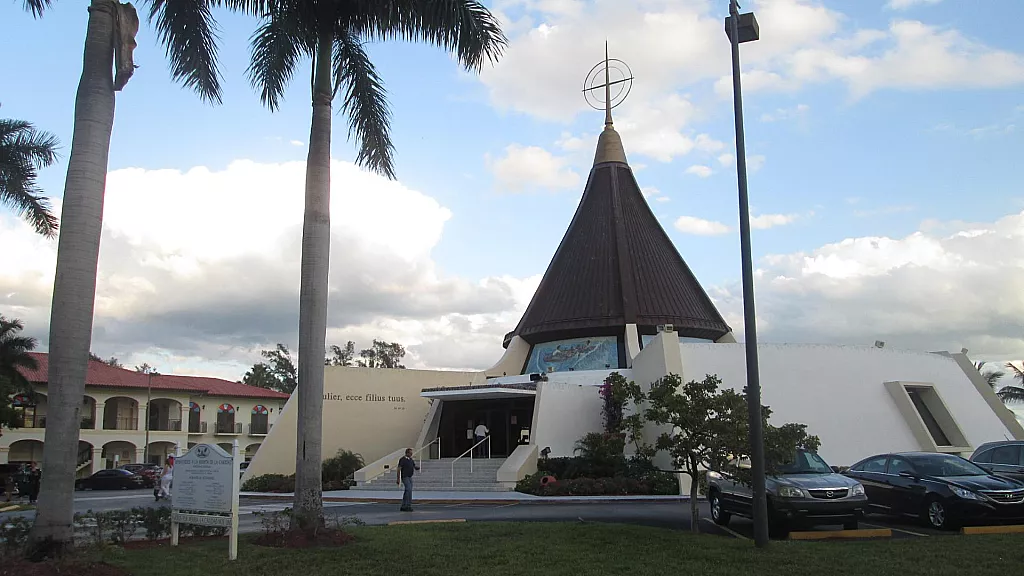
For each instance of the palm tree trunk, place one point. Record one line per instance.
(316, 253)
(74, 287)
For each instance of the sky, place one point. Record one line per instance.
(883, 140)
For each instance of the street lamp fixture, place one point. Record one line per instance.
(743, 28)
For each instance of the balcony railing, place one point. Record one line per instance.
(30, 421)
(121, 424)
(196, 427)
(166, 426)
(88, 424)
(229, 428)
(259, 429)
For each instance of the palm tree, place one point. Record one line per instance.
(23, 152)
(332, 33)
(991, 377)
(1011, 393)
(14, 357)
(188, 33)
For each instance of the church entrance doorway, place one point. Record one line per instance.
(507, 419)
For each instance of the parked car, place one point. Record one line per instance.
(1003, 458)
(805, 492)
(150, 473)
(942, 490)
(113, 479)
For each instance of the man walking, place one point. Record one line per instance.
(406, 468)
(481, 432)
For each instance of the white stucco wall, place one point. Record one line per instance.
(838, 392)
(568, 407)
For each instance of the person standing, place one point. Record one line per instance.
(481, 432)
(165, 479)
(406, 468)
(34, 478)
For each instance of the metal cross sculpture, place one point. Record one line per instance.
(623, 83)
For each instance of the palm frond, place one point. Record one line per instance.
(1011, 394)
(36, 7)
(23, 151)
(188, 32)
(20, 139)
(276, 47)
(465, 27)
(1015, 373)
(365, 102)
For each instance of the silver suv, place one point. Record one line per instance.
(806, 491)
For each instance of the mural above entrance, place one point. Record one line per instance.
(598, 353)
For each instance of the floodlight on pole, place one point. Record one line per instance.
(743, 28)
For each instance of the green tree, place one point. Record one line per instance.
(1013, 393)
(707, 429)
(23, 152)
(188, 33)
(14, 357)
(332, 34)
(341, 356)
(277, 373)
(382, 355)
(145, 368)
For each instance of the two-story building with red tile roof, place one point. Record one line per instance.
(183, 411)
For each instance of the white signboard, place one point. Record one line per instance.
(203, 479)
(204, 491)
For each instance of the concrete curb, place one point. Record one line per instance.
(841, 534)
(1014, 529)
(427, 498)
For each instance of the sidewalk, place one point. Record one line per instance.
(440, 497)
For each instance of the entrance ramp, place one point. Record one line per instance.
(436, 476)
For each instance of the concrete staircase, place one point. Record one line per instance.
(436, 476)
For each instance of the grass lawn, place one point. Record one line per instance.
(586, 549)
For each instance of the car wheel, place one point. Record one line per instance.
(936, 515)
(719, 516)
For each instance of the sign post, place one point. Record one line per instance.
(205, 491)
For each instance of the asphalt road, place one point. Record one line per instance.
(673, 515)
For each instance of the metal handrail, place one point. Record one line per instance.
(470, 452)
(427, 445)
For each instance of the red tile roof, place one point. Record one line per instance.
(101, 374)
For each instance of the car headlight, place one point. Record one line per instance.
(857, 490)
(964, 493)
(790, 492)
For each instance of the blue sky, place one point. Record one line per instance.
(859, 129)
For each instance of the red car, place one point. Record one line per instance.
(150, 473)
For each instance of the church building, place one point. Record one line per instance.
(618, 297)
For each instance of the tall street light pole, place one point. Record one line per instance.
(149, 406)
(743, 28)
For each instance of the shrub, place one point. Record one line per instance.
(338, 471)
(600, 455)
(156, 521)
(270, 483)
(14, 535)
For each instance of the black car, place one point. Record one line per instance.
(116, 479)
(943, 490)
(1003, 458)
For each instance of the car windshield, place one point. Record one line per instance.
(806, 463)
(944, 465)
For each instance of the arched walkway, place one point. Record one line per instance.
(118, 453)
(159, 451)
(88, 413)
(25, 452)
(165, 415)
(121, 413)
(29, 410)
(250, 451)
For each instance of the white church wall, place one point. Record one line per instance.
(568, 406)
(839, 392)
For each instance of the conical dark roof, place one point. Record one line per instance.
(616, 266)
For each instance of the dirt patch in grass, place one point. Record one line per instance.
(166, 542)
(326, 538)
(70, 568)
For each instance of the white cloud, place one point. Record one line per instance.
(926, 291)
(726, 160)
(755, 162)
(905, 4)
(766, 221)
(781, 114)
(204, 290)
(297, 143)
(699, 226)
(526, 167)
(700, 171)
